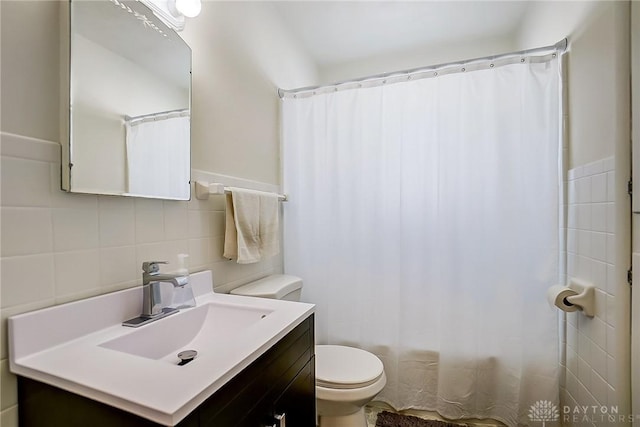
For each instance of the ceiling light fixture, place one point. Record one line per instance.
(188, 8)
(173, 12)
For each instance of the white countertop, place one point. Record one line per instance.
(60, 346)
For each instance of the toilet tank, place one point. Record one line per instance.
(276, 286)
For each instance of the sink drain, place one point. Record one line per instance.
(186, 356)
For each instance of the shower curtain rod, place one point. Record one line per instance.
(183, 112)
(561, 46)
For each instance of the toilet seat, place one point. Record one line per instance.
(346, 368)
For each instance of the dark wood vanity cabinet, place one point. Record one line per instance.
(281, 381)
(278, 386)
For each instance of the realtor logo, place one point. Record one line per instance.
(544, 411)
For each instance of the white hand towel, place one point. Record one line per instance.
(257, 228)
(230, 233)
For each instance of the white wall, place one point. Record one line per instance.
(594, 359)
(596, 86)
(58, 247)
(30, 72)
(593, 58)
(596, 351)
(415, 58)
(547, 22)
(544, 24)
(241, 55)
(599, 113)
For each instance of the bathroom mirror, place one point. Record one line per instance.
(129, 99)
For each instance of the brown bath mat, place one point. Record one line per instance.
(389, 419)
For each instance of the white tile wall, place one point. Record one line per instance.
(116, 217)
(590, 364)
(58, 247)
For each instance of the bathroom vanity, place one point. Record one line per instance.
(280, 383)
(255, 364)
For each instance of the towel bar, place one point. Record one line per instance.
(204, 189)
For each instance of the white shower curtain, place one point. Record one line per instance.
(423, 219)
(158, 159)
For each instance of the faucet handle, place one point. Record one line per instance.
(151, 267)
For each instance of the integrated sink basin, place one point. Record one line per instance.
(212, 322)
(85, 349)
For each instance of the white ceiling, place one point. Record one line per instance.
(337, 31)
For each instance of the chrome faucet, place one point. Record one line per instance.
(152, 304)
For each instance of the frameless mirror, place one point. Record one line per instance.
(129, 103)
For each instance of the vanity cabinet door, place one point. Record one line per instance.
(294, 405)
(297, 402)
(277, 376)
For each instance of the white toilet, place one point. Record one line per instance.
(347, 378)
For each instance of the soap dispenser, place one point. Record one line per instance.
(183, 295)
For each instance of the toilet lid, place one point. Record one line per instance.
(346, 367)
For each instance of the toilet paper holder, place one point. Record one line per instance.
(585, 298)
